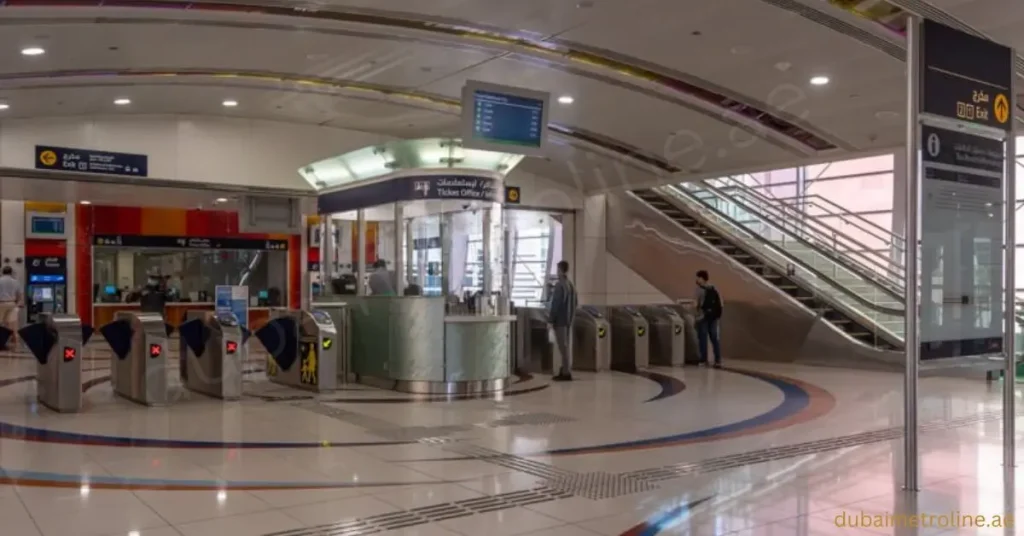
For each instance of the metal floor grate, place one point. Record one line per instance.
(430, 514)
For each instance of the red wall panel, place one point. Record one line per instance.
(45, 248)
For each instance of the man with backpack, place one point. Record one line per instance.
(709, 311)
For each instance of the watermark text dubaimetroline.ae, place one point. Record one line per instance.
(953, 519)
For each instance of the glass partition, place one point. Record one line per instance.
(189, 275)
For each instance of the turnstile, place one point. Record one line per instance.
(667, 337)
(340, 314)
(213, 354)
(56, 342)
(687, 309)
(630, 349)
(534, 351)
(592, 341)
(316, 363)
(140, 375)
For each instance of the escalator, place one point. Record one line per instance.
(858, 326)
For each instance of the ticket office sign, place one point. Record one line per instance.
(965, 77)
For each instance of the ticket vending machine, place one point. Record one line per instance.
(46, 286)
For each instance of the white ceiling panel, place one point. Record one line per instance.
(144, 46)
(538, 17)
(349, 113)
(654, 125)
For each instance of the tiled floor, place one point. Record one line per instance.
(350, 472)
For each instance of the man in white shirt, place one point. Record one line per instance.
(11, 298)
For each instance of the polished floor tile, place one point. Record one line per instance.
(730, 454)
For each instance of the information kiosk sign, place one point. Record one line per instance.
(961, 244)
(960, 214)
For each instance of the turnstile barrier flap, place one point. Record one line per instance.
(119, 336)
(194, 334)
(168, 329)
(87, 332)
(280, 336)
(39, 338)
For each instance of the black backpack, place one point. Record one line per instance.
(712, 303)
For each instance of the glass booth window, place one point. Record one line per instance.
(190, 275)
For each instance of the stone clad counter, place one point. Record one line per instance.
(408, 344)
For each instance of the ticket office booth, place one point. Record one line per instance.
(431, 314)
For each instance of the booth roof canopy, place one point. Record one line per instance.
(379, 160)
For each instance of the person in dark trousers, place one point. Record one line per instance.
(709, 311)
(561, 313)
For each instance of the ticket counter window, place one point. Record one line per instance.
(188, 276)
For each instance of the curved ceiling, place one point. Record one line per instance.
(659, 86)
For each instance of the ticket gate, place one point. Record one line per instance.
(630, 346)
(534, 351)
(56, 342)
(687, 309)
(340, 314)
(667, 336)
(213, 354)
(592, 340)
(139, 367)
(302, 348)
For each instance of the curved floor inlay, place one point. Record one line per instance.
(664, 520)
(802, 402)
(61, 480)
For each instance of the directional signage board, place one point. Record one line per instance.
(89, 161)
(966, 78)
(961, 244)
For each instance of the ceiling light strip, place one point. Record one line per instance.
(771, 122)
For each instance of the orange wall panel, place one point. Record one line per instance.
(163, 222)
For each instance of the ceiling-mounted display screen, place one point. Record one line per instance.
(502, 118)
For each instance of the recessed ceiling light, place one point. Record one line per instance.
(84, 202)
(783, 66)
(819, 80)
(230, 103)
(222, 200)
(122, 102)
(33, 51)
(566, 99)
(4, 106)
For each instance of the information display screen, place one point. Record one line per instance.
(48, 224)
(501, 118)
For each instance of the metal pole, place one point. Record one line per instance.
(399, 236)
(410, 250)
(1010, 316)
(327, 253)
(488, 273)
(360, 259)
(913, 184)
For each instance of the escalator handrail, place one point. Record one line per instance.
(844, 212)
(865, 262)
(799, 262)
(874, 326)
(850, 265)
(882, 262)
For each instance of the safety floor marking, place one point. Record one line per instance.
(563, 484)
(430, 514)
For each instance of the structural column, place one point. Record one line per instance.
(400, 261)
(360, 259)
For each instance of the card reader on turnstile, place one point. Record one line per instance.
(591, 340)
